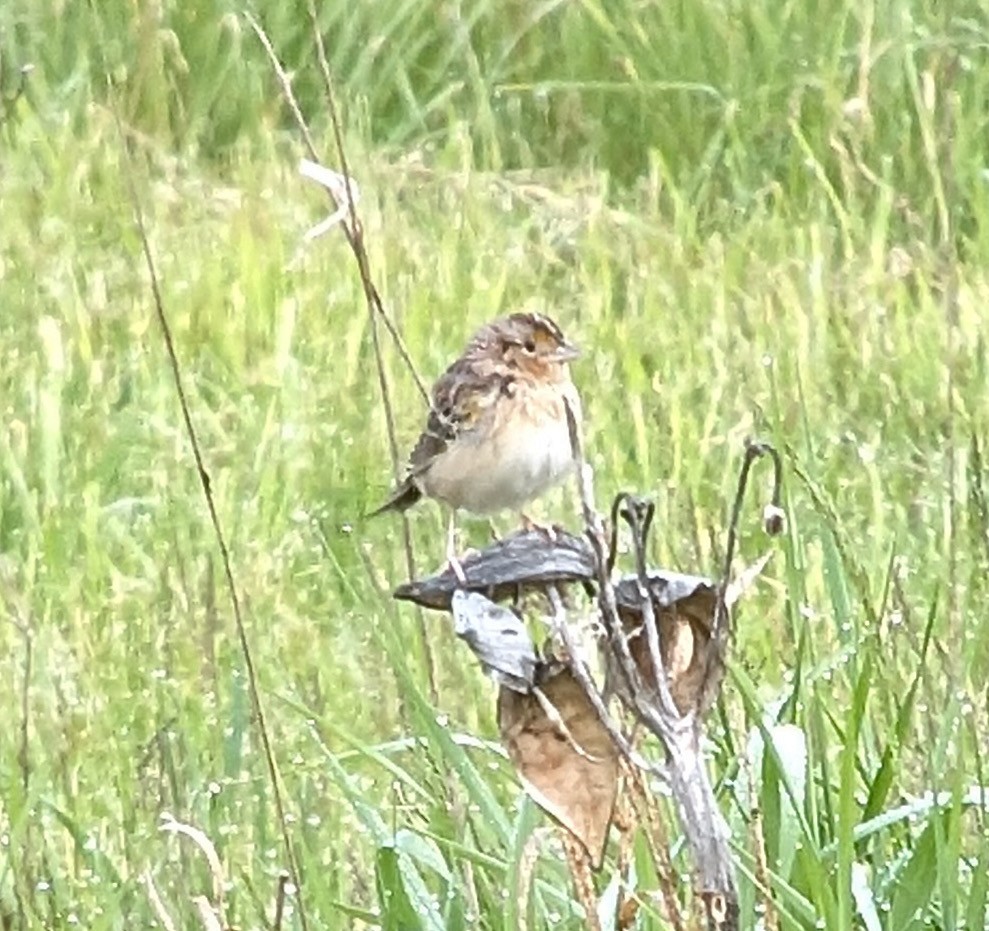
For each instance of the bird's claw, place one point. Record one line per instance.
(548, 530)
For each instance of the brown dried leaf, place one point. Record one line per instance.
(570, 771)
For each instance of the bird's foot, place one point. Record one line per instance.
(453, 564)
(548, 530)
(493, 530)
(452, 560)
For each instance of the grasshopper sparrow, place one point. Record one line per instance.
(497, 434)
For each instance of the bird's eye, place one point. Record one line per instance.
(529, 345)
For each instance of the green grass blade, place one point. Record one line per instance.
(848, 808)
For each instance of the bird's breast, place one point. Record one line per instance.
(515, 455)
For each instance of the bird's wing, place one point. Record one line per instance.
(461, 398)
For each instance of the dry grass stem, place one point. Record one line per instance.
(157, 905)
(353, 231)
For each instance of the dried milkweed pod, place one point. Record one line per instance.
(498, 638)
(684, 607)
(564, 756)
(523, 562)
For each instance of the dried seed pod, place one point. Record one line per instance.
(684, 606)
(564, 756)
(525, 561)
(774, 520)
(498, 638)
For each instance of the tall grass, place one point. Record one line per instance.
(755, 217)
(733, 107)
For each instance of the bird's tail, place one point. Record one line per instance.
(407, 494)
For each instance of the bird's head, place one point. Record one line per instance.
(532, 344)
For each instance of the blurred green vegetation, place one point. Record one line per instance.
(732, 107)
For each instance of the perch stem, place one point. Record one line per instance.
(638, 514)
(603, 562)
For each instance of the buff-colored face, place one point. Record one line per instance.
(535, 345)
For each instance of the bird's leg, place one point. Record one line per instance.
(495, 536)
(451, 550)
(548, 529)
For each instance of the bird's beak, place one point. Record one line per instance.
(566, 353)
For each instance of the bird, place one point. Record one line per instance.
(497, 434)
